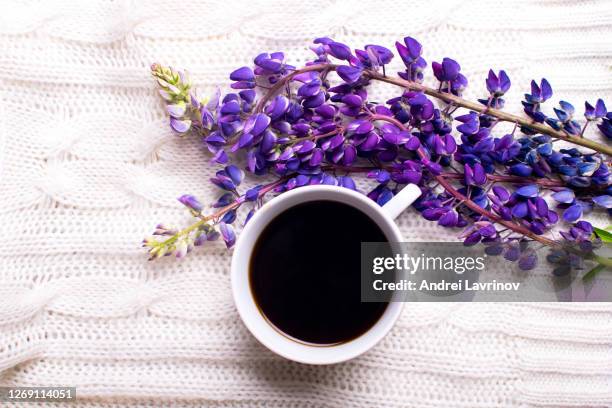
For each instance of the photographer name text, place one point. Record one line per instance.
(460, 285)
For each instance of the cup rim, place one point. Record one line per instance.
(252, 316)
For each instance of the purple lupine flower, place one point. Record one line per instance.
(573, 212)
(520, 169)
(501, 193)
(339, 50)
(398, 138)
(349, 74)
(421, 107)
(564, 196)
(220, 157)
(242, 74)
(512, 252)
(310, 88)
(533, 100)
(277, 107)
(162, 229)
(270, 63)
(180, 126)
(224, 181)
(597, 112)
(564, 119)
(539, 93)
(384, 197)
(244, 77)
(253, 193)
(225, 200)
(314, 101)
(448, 70)
(498, 85)
(347, 182)
(249, 215)
(228, 234)
(411, 56)
(528, 260)
(235, 174)
(256, 124)
(384, 54)
(475, 175)
(229, 217)
(581, 233)
(528, 191)
(200, 239)
(606, 126)
(470, 123)
(374, 56)
(477, 232)
(604, 201)
(191, 202)
(177, 110)
(409, 52)
(450, 219)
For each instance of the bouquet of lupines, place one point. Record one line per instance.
(316, 125)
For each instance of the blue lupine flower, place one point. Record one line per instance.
(229, 217)
(528, 191)
(604, 201)
(225, 200)
(228, 234)
(606, 126)
(533, 100)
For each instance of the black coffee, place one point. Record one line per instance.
(305, 272)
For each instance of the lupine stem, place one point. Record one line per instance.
(501, 115)
(232, 206)
(446, 97)
(546, 183)
(490, 215)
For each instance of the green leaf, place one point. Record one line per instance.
(603, 234)
(591, 274)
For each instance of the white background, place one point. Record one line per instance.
(89, 166)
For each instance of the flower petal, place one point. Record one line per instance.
(242, 74)
(180, 126)
(564, 196)
(528, 191)
(604, 201)
(235, 173)
(572, 213)
(349, 74)
(228, 234)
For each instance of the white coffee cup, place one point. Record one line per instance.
(270, 336)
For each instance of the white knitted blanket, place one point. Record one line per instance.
(88, 166)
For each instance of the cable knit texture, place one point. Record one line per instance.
(88, 166)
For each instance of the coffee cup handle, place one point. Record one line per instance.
(394, 207)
